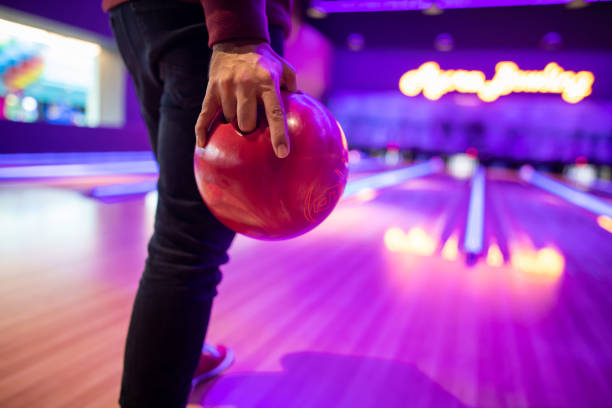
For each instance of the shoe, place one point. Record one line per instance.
(213, 361)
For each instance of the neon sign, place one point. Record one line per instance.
(434, 82)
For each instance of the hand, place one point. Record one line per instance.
(241, 74)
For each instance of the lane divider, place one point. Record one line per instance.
(121, 189)
(474, 231)
(366, 186)
(576, 197)
(392, 177)
(78, 170)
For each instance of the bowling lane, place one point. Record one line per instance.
(373, 310)
(68, 273)
(68, 259)
(328, 295)
(378, 297)
(565, 337)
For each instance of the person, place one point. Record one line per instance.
(168, 47)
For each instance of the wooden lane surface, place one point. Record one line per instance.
(69, 270)
(329, 311)
(571, 343)
(566, 347)
(407, 330)
(329, 319)
(67, 278)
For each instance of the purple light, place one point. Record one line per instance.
(474, 230)
(551, 41)
(392, 177)
(356, 6)
(24, 159)
(78, 164)
(355, 42)
(444, 42)
(114, 190)
(579, 198)
(78, 170)
(602, 186)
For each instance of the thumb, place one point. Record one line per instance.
(210, 107)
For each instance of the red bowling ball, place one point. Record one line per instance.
(255, 193)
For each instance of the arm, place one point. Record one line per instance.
(244, 19)
(244, 69)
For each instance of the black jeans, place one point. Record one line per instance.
(164, 46)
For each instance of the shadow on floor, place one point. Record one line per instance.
(319, 380)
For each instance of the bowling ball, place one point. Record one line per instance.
(255, 193)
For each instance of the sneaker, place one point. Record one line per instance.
(213, 361)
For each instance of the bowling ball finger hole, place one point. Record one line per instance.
(242, 132)
(219, 119)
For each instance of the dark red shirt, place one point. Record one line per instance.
(237, 19)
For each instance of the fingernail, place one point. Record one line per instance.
(281, 151)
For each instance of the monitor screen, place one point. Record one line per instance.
(47, 77)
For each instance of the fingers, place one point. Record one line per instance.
(276, 121)
(247, 109)
(240, 76)
(227, 95)
(210, 106)
(288, 79)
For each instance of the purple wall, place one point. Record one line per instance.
(87, 15)
(381, 69)
(484, 28)
(41, 138)
(523, 127)
(395, 43)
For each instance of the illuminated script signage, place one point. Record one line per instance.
(434, 82)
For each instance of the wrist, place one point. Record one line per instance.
(238, 45)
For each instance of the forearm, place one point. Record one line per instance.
(231, 20)
(235, 20)
(244, 69)
(279, 13)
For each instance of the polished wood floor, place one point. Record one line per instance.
(346, 316)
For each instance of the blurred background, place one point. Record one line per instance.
(478, 212)
(352, 55)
